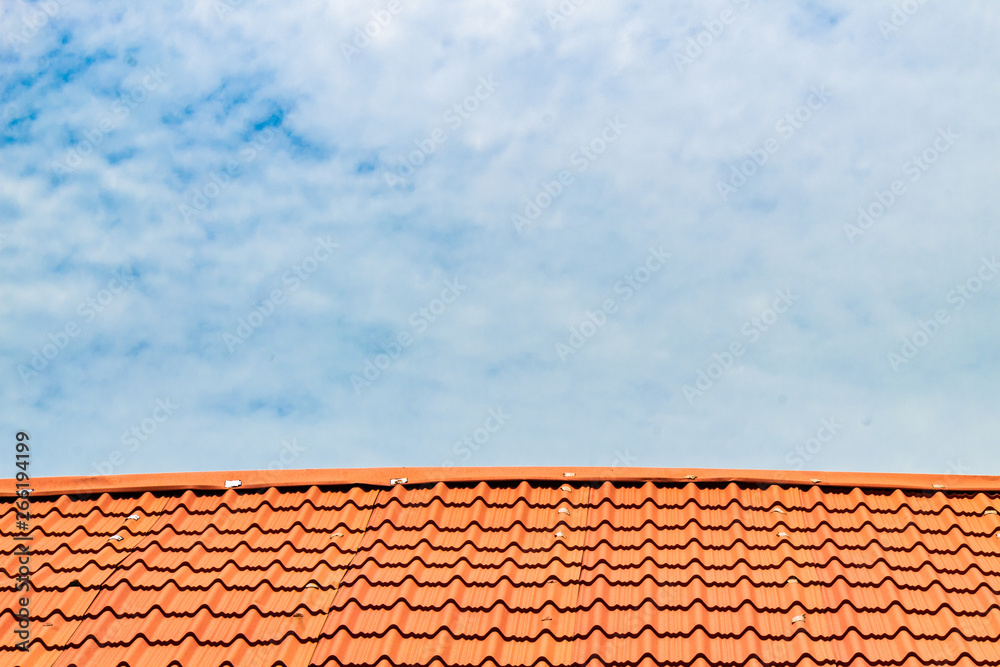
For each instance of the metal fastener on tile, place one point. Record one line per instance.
(782, 534)
(566, 487)
(116, 538)
(815, 481)
(989, 510)
(690, 476)
(398, 480)
(938, 486)
(563, 510)
(777, 510)
(801, 618)
(792, 580)
(338, 534)
(560, 534)
(569, 474)
(233, 483)
(132, 517)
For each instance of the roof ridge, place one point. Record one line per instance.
(389, 477)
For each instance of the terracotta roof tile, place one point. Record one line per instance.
(508, 567)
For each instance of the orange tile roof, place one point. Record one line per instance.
(507, 566)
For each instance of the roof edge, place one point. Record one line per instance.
(385, 477)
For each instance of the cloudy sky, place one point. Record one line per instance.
(724, 234)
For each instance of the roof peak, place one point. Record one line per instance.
(386, 477)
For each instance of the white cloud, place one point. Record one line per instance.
(340, 126)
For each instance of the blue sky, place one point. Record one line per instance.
(238, 235)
